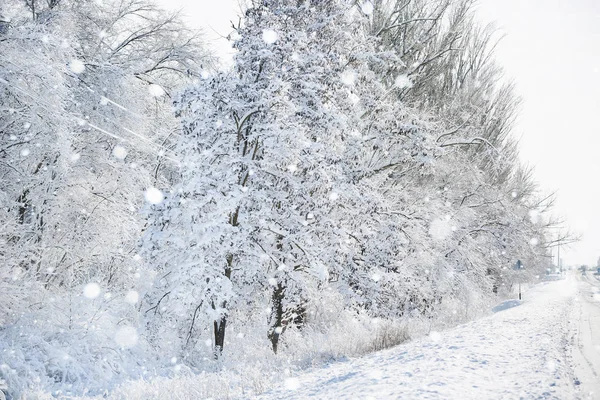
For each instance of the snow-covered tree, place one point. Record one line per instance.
(85, 128)
(284, 158)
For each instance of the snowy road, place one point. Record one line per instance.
(586, 354)
(522, 352)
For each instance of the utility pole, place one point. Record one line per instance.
(559, 266)
(558, 263)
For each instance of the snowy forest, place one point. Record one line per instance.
(172, 225)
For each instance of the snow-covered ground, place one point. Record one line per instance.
(521, 352)
(544, 347)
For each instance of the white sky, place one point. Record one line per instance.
(552, 50)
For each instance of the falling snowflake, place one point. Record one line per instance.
(366, 7)
(103, 101)
(126, 336)
(403, 81)
(348, 78)
(440, 229)
(119, 152)
(534, 216)
(291, 383)
(376, 374)
(155, 90)
(76, 66)
(132, 297)
(91, 290)
(534, 241)
(25, 152)
(269, 36)
(153, 195)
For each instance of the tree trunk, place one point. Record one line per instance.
(219, 325)
(276, 328)
(219, 329)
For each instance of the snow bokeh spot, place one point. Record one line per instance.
(348, 78)
(269, 36)
(153, 195)
(435, 336)
(440, 229)
(291, 383)
(155, 90)
(376, 374)
(76, 66)
(366, 7)
(534, 241)
(403, 82)
(132, 297)
(534, 216)
(126, 336)
(91, 290)
(119, 152)
(25, 152)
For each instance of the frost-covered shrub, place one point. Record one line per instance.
(73, 345)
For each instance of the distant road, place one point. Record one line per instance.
(586, 349)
